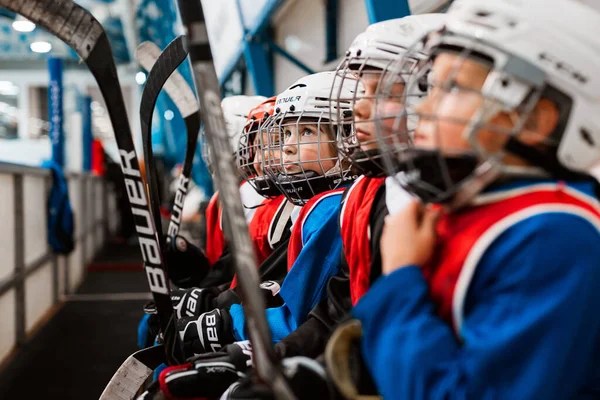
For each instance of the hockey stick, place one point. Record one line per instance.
(207, 86)
(163, 74)
(80, 30)
(337, 359)
(133, 373)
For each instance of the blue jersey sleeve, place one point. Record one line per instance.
(531, 327)
(305, 284)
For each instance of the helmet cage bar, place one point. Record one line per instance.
(250, 146)
(364, 154)
(291, 135)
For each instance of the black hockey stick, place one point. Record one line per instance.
(80, 30)
(163, 74)
(207, 86)
(182, 95)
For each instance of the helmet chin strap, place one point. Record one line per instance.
(336, 169)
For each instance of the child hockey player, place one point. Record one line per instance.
(311, 169)
(495, 296)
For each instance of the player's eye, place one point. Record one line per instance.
(307, 132)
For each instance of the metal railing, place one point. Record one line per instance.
(33, 280)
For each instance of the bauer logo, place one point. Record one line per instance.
(292, 103)
(143, 223)
(290, 99)
(178, 206)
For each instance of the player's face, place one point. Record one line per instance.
(365, 110)
(453, 99)
(266, 151)
(307, 147)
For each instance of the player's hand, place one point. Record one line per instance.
(208, 333)
(193, 302)
(204, 376)
(305, 377)
(408, 237)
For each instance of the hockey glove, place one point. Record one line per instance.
(306, 378)
(186, 303)
(187, 266)
(205, 376)
(193, 302)
(206, 334)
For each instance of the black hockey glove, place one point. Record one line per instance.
(206, 334)
(205, 376)
(306, 378)
(190, 303)
(187, 266)
(270, 290)
(193, 302)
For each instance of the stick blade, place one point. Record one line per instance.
(148, 53)
(131, 375)
(68, 21)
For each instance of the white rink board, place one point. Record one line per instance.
(75, 266)
(38, 295)
(34, 216)
(7, 327)
(7, 219)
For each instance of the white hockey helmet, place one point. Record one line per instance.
(384, 41)
(534, 49)
(369, 58)
(235, 111)
(307, 103)
(252, 145)
(537, 44)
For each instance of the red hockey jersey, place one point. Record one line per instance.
(355, 231)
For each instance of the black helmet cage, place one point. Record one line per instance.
(455, 175)
(365, 155)
(250, 157)
(299, 180)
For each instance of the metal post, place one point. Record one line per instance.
(382, 10)
(260, 66)
(55, 291)
(331, 30)
(282, 52)
(19, 238)
(84, 219)
(86, 119)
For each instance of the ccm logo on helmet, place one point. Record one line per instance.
(563, 67)
(143, 223)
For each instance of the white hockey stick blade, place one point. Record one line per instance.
(131, 375)
(176, 87)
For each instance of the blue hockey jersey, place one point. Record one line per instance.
(314, 256)
(506, 309)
